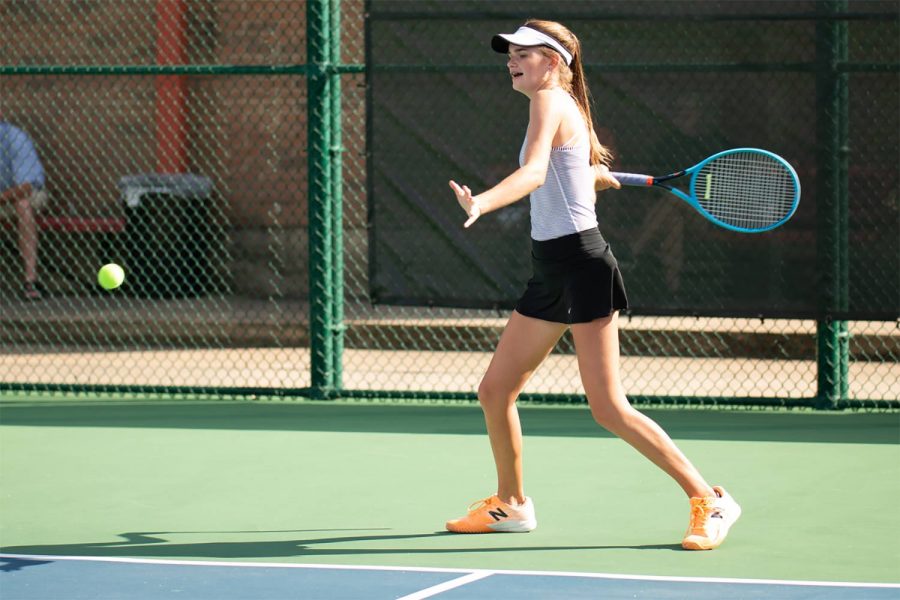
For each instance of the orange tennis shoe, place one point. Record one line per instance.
(711, 518)
(491, 515)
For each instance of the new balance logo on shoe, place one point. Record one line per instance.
(498, 514)
(711, 518)
(492, 515)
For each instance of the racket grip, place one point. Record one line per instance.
(633, 179)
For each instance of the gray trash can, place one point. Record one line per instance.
(170, 235)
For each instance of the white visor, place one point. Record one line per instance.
(526, 36)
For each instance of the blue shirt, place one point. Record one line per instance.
(19, 162)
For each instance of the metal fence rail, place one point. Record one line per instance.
(240, 159)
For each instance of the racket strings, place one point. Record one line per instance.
(746, 189)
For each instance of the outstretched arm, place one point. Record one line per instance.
(545, 116)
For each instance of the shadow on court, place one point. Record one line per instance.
(732, 425)
(152, 544)
(9, 564)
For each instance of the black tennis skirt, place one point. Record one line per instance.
(575, 279)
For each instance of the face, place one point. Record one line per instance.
(529, 68)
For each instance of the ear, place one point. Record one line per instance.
(554, 59)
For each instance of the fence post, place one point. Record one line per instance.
(337, 183)
(321, 309)
(831, 204)
(171, 90)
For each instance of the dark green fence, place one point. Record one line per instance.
(272, 176)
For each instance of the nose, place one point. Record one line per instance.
(509, 62)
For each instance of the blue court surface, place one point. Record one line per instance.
(24, 577)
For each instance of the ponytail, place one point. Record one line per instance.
(572, 80)
(599, 153)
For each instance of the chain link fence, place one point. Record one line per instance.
(272, 176)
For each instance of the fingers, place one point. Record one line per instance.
(462, 193)
(474, 212)
(604, 179)
(604, 182)
(464, 196)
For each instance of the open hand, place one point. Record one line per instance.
(466, 201)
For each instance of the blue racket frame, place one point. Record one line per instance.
(634, 179)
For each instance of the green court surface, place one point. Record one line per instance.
(372, 484)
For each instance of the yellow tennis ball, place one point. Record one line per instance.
(110, 276)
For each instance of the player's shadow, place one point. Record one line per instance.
(152, 544)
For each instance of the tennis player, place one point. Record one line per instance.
(576, 284)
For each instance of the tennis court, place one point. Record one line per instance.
(262, 497)
(279, 401)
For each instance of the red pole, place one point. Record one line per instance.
(171, 114)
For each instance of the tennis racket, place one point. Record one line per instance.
(744, 189)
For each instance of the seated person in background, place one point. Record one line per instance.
(21, 194)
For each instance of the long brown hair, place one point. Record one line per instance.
(571, 78)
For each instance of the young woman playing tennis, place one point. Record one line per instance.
(575, 284)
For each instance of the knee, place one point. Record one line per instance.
(606, 417)
(611, 415)
(493, 397)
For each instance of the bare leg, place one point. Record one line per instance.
(27, 238)
(597, 346)
(525, 343)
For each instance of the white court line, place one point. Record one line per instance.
(222, 563)
(447, 585)
(211, 563)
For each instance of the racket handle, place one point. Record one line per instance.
(633, 179)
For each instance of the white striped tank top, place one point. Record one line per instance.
(565, 203)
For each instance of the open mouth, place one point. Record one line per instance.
(516, 74)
